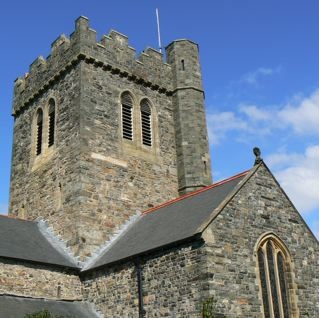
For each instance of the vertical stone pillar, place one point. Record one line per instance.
(193, 160)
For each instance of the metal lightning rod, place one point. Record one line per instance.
(158, 31)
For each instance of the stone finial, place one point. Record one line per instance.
(257, 153)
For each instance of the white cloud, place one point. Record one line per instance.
(221, 123)
(254, 113)
(253, 77)
(282, 159)
(248, 121)
(300, 177)
(304, 117)
(251, 120)
(3, 208)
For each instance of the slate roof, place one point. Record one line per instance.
(171, 222)
(18, 307)
(23, 240)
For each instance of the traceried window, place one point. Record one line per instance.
(51, 122)
(146, 122)
(127, 114)
(39, 132)
(273, 267)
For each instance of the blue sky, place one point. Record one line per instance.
(260, 72)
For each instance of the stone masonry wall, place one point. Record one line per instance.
(48, 185)
(28, 280)
(172, 285)
(121, 177)
(259, 207)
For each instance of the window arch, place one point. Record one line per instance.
(127, 114)
(274, 267)
(39, 131)
(146, 122)
(51, 122)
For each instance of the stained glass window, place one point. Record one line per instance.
(282, 281)
(272, 278)
(272, 275)
(262, 274)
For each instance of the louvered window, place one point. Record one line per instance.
(272, 274)
(127, 110)
(51, 122)
(146, 123)
(39, 129)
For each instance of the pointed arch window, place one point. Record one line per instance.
(39, 131)
(127, 111)
(273, 268)
(146, 122)
(51, 123)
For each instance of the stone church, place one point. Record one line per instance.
(113, 212)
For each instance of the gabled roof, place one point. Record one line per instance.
(20, 239)
(171, 222)
(18, 307)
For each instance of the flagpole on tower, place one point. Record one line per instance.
(158, 31)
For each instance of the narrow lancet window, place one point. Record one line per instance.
(272, 279)
(39, 128)
(127, 110)
(51, 123)
(272, 260)
(282, 281)
(183, 65)
(263, 281)
(146, 121)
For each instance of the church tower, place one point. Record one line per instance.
(100, 135)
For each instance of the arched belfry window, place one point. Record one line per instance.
(274, 266)
(39, 131)
(51, 123)
(146, 122)
(127, 114)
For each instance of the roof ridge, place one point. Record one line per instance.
(15, 218)
(236, 176)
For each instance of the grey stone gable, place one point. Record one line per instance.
(21, 239)
(18, 307)
(171, 222)
(255, 169)
(257, 209)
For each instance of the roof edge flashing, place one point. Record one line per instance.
(92, 260)
(56, 242)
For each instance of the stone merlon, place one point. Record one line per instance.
(111, 53)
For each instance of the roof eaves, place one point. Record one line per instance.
(135, 257)
(15, 218)
(73, 269)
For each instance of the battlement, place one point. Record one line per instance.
(112, 53)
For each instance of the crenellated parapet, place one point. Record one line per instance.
(112, 54)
